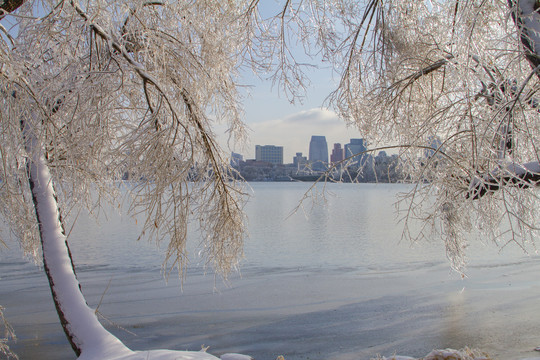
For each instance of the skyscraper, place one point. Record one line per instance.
(357, 149)
(269, 153)
(337, 154)
(318, 152)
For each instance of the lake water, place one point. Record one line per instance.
(334, 282)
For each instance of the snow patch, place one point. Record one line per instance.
(446, 354)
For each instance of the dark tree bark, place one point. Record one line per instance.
(10, 5)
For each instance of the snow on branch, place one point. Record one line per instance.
(514, 174)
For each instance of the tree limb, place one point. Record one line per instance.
(521, 176)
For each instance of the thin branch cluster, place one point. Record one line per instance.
(452, 76)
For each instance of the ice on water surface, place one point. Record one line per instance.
(316, 288)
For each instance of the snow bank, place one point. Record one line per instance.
(446, 354)
(100, 354)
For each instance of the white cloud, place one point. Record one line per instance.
(294, 132)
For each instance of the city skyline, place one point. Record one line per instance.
(293, 132)
(271, 152)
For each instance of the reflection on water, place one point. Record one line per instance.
(331, 282)
(353, 226)
(454, 327)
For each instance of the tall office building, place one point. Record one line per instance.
(269, 153)
(357, 149)
(337, 154)
(318, 152)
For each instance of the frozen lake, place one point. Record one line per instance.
(338, 284)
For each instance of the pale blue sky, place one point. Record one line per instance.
(273, 120)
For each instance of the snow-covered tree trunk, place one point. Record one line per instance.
(79, 321)
(88, 338)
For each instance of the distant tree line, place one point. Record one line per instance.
(380, 168)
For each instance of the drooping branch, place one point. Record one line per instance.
(527, 21)
(517, 175)
(225, 240)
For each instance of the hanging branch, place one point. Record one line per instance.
(519, 175)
